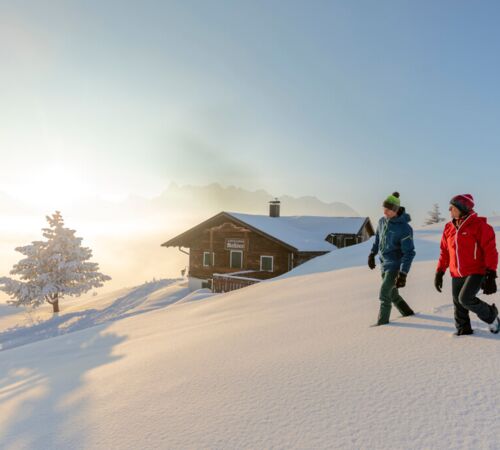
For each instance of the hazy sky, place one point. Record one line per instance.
(346, 101)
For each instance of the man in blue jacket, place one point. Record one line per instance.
(394, 244)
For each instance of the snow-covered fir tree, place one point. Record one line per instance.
(53, 268)
(434, 215)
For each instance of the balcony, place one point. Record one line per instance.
(226, 282)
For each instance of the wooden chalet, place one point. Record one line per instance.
(233, 250)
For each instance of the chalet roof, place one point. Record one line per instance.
(305, 233)
(300, 233)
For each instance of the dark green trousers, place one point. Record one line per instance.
(389, 295)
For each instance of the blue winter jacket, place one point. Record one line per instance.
(394, 243)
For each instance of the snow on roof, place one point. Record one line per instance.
(305, 233)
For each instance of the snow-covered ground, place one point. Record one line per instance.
(22, 326)
(288, 363)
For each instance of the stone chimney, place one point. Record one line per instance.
(274, 208)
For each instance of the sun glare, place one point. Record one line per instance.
(52, 186)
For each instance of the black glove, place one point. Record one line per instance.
(401, 280)
(438, 280)
(489, 285)
(371, 261)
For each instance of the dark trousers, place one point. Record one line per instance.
(389, 295)
(464, 291)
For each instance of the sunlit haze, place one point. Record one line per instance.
(102, 102)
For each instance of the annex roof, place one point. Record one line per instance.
(305, 233)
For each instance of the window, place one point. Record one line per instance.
(208, 259)
(266, 263)
(236, 258)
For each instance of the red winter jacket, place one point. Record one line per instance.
(470, 249)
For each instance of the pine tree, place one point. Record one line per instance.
(53, 268)
(434, 215)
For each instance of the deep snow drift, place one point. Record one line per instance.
(288, 363)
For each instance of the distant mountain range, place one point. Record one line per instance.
(187, 201)
(218, 198)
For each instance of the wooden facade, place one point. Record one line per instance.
(218, 245)
(222, 237)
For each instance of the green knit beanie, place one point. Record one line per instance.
(392, 202)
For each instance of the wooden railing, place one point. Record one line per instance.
(225, 282)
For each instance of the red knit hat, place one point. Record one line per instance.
(464, 202)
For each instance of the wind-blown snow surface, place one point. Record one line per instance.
(289, 363)
(80, 313)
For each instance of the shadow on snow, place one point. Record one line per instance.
(449, 328)
(41, 399)
(134, 303)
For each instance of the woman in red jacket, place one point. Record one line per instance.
(469, 249)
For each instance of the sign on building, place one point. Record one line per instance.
(235, 244)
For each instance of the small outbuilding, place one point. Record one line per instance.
(232, 250)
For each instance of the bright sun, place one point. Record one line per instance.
(52, 186)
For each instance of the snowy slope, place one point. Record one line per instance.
(426, 243)
(21, 326)
(289, 363)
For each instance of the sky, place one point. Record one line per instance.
(346, 101)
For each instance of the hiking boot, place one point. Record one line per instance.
(463, 332)
(384, 314)
(405, 309)
(495, 325)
